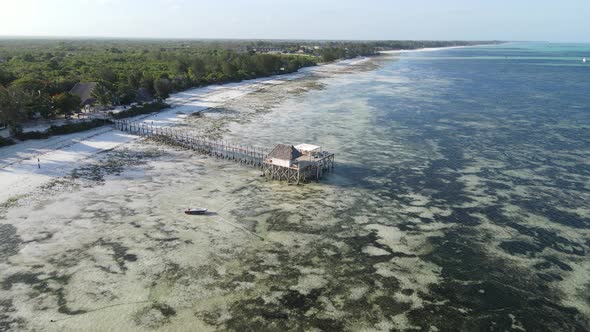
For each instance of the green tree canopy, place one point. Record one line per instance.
(102, 94)
(13, 108)
(66, 103)
(126, 93)
(30, 84)
(162, 88)
(6, 77)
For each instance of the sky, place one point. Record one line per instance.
(542, 20)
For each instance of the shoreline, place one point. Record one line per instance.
(427, 49)
(59, 155)
(21, 173)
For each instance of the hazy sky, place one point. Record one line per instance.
(548, 20)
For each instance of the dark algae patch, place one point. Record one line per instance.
(484, 291)
(8, 323)
(119, 252)
(9, 241)
(154, 316)
(113, 164)
(53, 284)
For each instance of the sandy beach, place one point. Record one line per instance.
(425, 49)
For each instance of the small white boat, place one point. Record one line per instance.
(195, 211)
(584, 60)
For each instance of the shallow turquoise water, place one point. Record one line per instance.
(480, 158)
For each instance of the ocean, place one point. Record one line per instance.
(460, 201)
(463, 189)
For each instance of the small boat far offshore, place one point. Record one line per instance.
(195, 211)
(584, 60)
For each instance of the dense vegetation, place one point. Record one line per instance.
(37, 75)
(68, 128)
(5, 141)
(139, 110)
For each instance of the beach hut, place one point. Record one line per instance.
(296, 164)
(84, 91)
(283, 155)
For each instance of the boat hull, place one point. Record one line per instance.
(195, 211)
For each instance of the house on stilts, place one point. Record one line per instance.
(297, 164)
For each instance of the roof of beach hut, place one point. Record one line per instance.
(84, 91)
(284, 152)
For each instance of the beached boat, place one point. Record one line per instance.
(195, 211)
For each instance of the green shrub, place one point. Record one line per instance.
(25, 135)
(139, 110)
(62, 130)
(75, 127)
(5, 141)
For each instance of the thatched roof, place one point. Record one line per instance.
(84, 91)
(284, 152)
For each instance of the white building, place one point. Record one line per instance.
(308, 148)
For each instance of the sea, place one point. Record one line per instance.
(459, 201)
(463, 192)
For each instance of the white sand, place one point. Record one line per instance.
(425, 49)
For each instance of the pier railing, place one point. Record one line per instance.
(248, 155)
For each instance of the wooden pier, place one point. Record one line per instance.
(305, 167)
(297, 164)
(219, 149)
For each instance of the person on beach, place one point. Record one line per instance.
(39, 163)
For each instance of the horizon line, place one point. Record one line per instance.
(45, 37)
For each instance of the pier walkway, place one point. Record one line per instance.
(248, 155)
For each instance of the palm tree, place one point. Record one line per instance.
(103, 96)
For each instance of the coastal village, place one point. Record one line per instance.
(42, 109)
